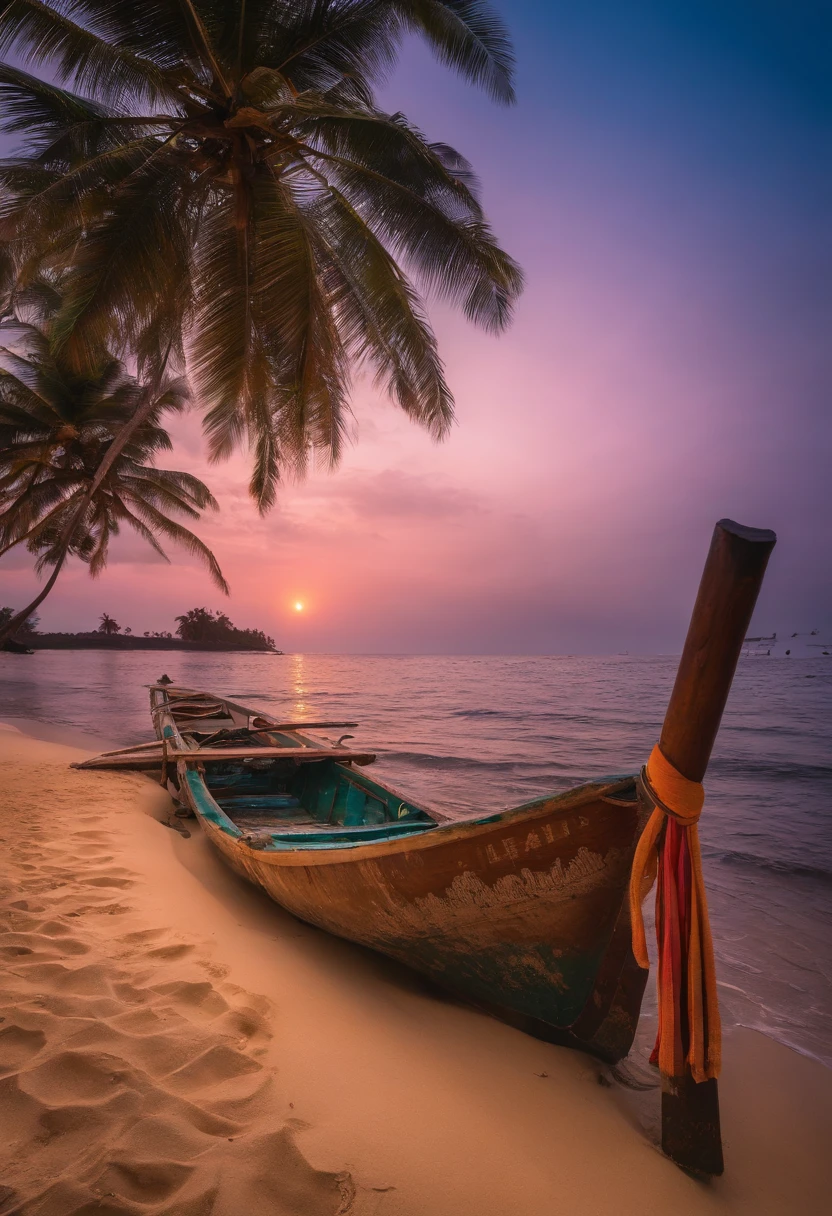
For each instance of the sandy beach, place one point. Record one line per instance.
(173, 1042)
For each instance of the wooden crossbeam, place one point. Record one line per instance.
(134, 747)
(134, 761)
(141, 761)
(302, 754)
(191, 703)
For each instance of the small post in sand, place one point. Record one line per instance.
(722, 613)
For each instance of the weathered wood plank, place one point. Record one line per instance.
(191, 703)
(134, 747)
(303, 754)
(143, 761)
(133, 762)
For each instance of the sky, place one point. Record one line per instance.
(664, 180)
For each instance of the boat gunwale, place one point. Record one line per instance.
(438, 816)
(437, 834)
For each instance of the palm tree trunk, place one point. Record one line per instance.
(14, 624)
(125, 434)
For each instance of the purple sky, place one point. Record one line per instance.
(664, 181)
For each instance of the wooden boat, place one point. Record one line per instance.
(523, 912)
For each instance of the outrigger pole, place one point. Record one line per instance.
(688, 1047)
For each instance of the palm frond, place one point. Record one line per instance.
(44, 111)
(328, 42)
(159, 523)
(457, 259)
(155, 30)
(470, 37)
(123, 263)
(381, 318)
(39, 34)
(392, 147)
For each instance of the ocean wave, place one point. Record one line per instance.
(757, 767)
(775, 865)
(427, 760)
(600, 721)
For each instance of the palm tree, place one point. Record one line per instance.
(56, 432)
(221, 171)
(200, 625)
(108, 625)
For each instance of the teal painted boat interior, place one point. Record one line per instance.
(322, 804)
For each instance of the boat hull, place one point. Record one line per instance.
(525, 915)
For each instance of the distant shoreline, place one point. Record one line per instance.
(75, 641)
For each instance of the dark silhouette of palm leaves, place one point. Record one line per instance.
(222, 184)
(56, 427)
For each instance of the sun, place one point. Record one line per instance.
(298, 606)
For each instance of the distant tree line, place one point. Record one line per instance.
(198, 625)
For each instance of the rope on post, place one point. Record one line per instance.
(689, 1026)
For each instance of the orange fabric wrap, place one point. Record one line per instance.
(689, 1028)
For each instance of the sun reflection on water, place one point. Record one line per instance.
(298, 686)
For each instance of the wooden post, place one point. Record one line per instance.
(722, 613)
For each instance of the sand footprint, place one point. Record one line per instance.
(72, 1076)
(108, 880)
(153, 1054)
(130, 990)
(195, 998)
(19, 1118)
(102, 909)
(170, 953)
(54, 928)
(246, 1024)
(70, 1199)
(143, 1181)
(90, 980)
(276, 1171)
(140, 936)
(148, 1021)
(36, 945)
(77, 1125)
(17, 1046)
(65, 1006)
(216, 1066)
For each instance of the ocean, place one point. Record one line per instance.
(470, 734)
